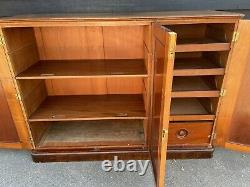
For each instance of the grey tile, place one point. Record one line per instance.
(227, 168)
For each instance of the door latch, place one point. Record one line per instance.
(18, 97)
(236, 36)
(223, 92)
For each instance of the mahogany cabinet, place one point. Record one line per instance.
(138, 85)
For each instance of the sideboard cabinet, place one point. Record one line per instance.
(88, 87)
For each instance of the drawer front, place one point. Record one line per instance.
(190, 133)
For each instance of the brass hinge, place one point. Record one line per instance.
(164, 133)
(214, 136)
(223, 92)
(172, 54)
(18, 97)
(1, 40)
(236, 36)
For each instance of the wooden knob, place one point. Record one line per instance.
(182, 133)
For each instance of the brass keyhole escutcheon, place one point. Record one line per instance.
(182, 133)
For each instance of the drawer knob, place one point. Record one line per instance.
(182, 133)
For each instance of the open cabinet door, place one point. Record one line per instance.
(8, 133)
(164, 47)
(233, 124)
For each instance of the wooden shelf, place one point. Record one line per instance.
(196, 67)
(201, 44)
(193, 87)
(189, 109)
(56, 69)
(93, 133)
(90, 107)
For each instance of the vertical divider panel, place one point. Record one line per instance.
(148, 53)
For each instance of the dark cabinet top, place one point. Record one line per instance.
(35, 19)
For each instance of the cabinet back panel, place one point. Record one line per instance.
(218, 32)
(221, 32)
(95, 86)
(188, 31)
(57, 43)
(121, 42)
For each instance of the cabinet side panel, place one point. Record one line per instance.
(21, 48)
(10, 89)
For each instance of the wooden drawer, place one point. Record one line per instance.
(190, 133)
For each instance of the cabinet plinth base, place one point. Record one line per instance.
(80, 155)
(190, 153)
(68, 156)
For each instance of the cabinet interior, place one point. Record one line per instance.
(88, 134)
(77, 78)
(196, 83)
(200, 63)
(201, 59)
(200, 32)
(184, 109)
(71, 77)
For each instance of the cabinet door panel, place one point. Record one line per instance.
(233, 125)
(164, 46)
(8, 131)
(239, 131)
(240, 124)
